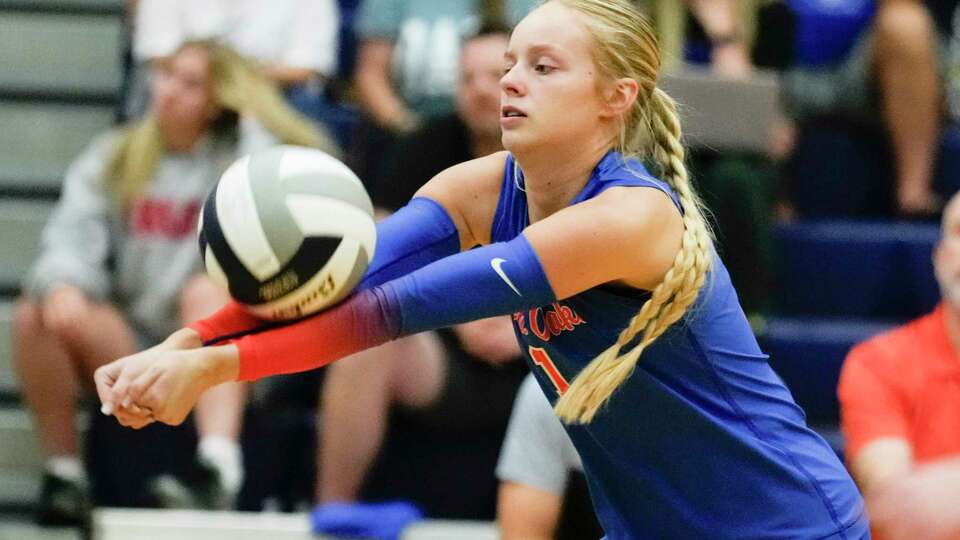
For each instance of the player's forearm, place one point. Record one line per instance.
(367, 319)
(498, 279)
(413, 237)
(230, 321)
(184, 338)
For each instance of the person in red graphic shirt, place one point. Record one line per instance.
(132, 198)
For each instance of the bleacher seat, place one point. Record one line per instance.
(8, 382)
(808, 354)
(40, 139)
(20, 459)
(856, 269)
(724, 113)
(21, 223)
(60, 53)
(69, 6)
(840, 169)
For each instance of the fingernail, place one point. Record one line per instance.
(107, 408)
(126, 402)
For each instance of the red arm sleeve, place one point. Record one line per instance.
(230, 320)
(361, 322)
(871, 406)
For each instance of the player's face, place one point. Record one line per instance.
(183, 89)
(549, 88)
(478, 94)
(946, 259)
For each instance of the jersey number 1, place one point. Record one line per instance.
(542, 359)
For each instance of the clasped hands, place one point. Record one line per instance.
(164, 382)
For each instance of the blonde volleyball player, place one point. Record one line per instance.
(624, 311)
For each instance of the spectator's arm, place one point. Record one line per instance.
(873, 418)
(288, 75)
(76, 241)
(720, 19)
(527, 513)
(922, 504)
(376, 90)
(490, 340)
(880, 461)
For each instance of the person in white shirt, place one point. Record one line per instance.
(295, 41)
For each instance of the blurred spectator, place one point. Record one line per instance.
(119, 269)
(873, 67)
(900, 412)
(720, 33)
(738, 187)
(537, 499)
(407, 66)
(473, 130)
(294, 41)
(455, 381)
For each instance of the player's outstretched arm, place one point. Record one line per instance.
(438, 222)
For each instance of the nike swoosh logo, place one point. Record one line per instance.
(496, 264)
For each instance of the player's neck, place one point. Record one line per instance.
(554, 176)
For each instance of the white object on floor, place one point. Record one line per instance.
(126, 524)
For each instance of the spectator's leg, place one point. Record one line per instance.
(357, 395)
(53, 363)
(48, 381)
(219, 412)
(905, 60)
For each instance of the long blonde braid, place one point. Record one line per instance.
(652, 129)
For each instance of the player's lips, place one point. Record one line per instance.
(509, 111)
(510, 116)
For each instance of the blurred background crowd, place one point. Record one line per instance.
(825, 139)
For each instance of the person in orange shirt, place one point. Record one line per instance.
(900, 412)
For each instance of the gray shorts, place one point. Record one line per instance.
(847, 90)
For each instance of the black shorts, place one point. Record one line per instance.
(475, 395)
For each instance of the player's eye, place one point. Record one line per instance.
(543, 69)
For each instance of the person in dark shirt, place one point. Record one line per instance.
(470, 132)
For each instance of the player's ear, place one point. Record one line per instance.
(619, 96)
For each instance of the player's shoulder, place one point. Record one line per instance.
(469, 191)
(634, 210)
(481, 168)
(476, 178)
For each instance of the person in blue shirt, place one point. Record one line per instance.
(624, 311)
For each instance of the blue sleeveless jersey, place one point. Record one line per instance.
(703, 440)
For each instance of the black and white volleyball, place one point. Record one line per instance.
(289, 231)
